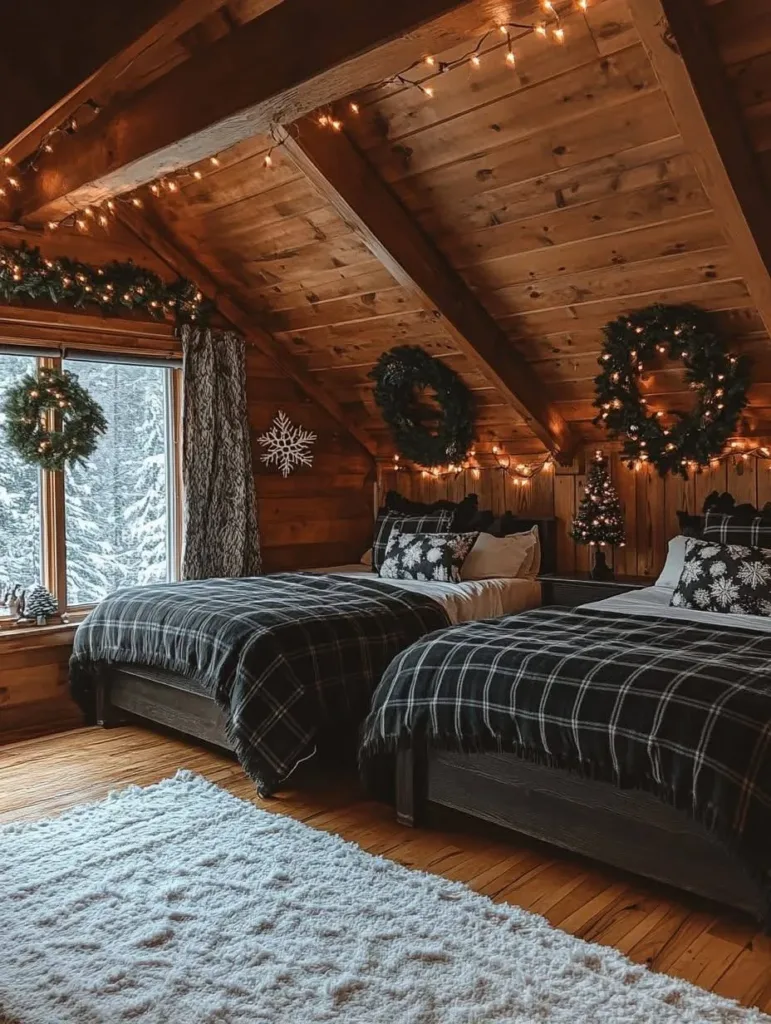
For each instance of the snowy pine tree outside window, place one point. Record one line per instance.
(117, 504)
(20, 536)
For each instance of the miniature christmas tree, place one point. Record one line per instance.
(39, 605)
(599, 520)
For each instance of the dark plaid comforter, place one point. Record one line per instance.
(283, 655)
(677, 708)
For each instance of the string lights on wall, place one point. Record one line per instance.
(521, 473)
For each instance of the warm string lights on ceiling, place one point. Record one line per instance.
(736, 452)
(100, 214)
(551, 28)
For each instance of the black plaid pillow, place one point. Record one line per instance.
(724, 578)
(430, 522)
(729, 528)
(426, 556)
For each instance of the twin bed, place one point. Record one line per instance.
(631, 731)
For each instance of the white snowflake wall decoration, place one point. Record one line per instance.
(288, 446)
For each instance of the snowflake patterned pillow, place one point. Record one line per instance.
(426, 556)
(727, 578)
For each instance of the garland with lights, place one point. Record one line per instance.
(397, 374)
(114, 288)
(673, 441)
(42, 398)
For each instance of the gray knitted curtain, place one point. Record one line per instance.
(221, 532)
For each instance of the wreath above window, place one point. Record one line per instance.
(398, 374)
(671, 440)
(51, 421)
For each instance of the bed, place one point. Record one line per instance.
(262, 667)
(572, 764)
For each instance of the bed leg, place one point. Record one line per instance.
(106, 715)
(410, 786)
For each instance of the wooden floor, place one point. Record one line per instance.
(678, 935)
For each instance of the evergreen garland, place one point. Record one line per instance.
(397, 374)
(671, 441)
(113, 288)
(29, 407)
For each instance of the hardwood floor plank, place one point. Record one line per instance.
(672, 933)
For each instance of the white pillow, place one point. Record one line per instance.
(673, 567)
(532, 565)
(498, 557)
(366, 558)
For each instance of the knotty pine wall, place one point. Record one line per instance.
(650, 504)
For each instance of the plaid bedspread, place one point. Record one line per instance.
(283, 655)
(677, 708)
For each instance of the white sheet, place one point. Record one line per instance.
(655, 601)
(464, 602)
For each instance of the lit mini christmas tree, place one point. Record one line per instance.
(599, 520)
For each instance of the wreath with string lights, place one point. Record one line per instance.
(51, 420)
(672, 441)
(398, 374)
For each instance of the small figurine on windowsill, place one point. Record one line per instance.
(599, 520)
(38, 607)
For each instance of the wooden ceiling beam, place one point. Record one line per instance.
(75, 46)
(155, 235)
(352, 185)
(299, 55)
(686, 60)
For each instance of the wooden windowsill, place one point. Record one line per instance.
(25, 637)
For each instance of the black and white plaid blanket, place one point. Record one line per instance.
(677, 708)
(283, 655)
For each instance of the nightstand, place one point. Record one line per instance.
(574, 588)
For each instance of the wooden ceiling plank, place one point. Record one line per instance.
(241, 85)
(155, 236)
(685, 57)
(347, 179)
(88, 43)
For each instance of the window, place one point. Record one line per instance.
(20, 518)
(112, 522)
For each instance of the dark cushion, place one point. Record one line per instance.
(463, 511)
(690, 526)
(426, 556)
(427, 522)
(729, 578)
(739, 528)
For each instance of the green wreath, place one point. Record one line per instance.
(671, 441)
(397, 375)
(32, 404)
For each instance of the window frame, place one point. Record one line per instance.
(53, 505)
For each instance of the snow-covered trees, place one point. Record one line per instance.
(116, 505)
(19, 498)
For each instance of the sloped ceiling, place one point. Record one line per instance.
(560, 190)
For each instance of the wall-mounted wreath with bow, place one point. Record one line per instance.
(672, 440)
(400, 376)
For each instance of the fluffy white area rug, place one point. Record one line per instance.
(179, 904)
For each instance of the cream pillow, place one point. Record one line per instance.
(366, 558)
(498, 557)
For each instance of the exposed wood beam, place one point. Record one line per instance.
(72, 42)
(347, 179)
(296, 57)
(155, 235)
(686, 60)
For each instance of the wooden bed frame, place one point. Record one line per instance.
(629, 829)
(136, 692)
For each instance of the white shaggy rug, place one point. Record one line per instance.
(179, 904)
